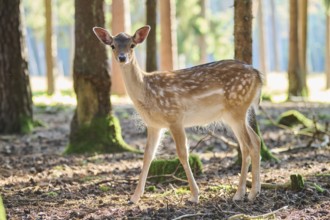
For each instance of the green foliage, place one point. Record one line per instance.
(2, 210)
(217, 28)
(160, 169)
(102, 135)
(151, 188)
(104, 188)
(327, 6)
(52, 194)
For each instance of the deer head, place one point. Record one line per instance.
(122, 44)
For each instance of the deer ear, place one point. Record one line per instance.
(141, 34)
(103, 35)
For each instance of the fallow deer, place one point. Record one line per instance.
(220, 91)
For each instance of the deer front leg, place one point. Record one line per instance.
(179, 136)
(154, 135)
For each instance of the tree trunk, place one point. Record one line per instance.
(50, 48)
(274, 31)
(302, 39)
(262, 45)
(93, 128)
(15, 93)
(243, 51)
(151, 56)
(120, 23)
(296, 85)
(168, 44)
(201, 38)
(327, 51)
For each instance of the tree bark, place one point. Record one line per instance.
(50, 48)
(168, 44)
(296, 85)
(243, 51)
(201, 38)
(274, 30)
(120, 23)
(151, 56)
(327, 50)
(302, 39)
(93, 128)
(262, 44)
(15, 92)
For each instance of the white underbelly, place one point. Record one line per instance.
(202, 115)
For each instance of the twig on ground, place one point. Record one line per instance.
(192, 215)
(286, 185)
(199, 142)
(264, 216)
(225, 140)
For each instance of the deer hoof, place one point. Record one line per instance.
(252, 195)
(238, 196)
(134, 199)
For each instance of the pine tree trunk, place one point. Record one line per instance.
(168, 42)
(93, 128)
(120, 23)
(243, 51)
(302, 39)
(15, 93)
(296, 85)
(327, 51)
(201, 38)
(274, 32)
(151, 56)
(50, 48)
(262, 44)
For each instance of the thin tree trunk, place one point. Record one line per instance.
(327, 51)
(15, 92)
(243, 51)
(93, 128)
(120, 23)
(262, 45)
(168, 45)
(151, 56)
(302, 38)
(274, 31)
(50, 46)
(296, 86)
(201, 38)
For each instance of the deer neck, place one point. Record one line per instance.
(133, 79)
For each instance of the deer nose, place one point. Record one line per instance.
(122, 58)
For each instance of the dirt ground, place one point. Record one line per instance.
(37, 182)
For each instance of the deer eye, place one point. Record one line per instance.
(113, 47)
(133, 45)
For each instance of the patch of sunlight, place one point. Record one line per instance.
(53, 100)
(276, 87)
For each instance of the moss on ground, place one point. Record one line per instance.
(297, 182)
(293, 118)
(102, 135)
(161, 170)
(2, 210)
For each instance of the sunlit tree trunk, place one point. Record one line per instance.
(302, 39)
(243, 51)
(15, 92)
(168, 42)
(202, 38)
(274, 32)
(120, 23)
(93, 128)
(327, 50)
(262, 44)
(50, 48)
(151, 56)
(296, 85)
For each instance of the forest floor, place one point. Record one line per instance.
(38, 182)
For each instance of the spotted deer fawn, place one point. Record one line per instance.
(220, 91)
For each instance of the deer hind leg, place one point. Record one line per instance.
(179, 136)
(154, 135)
(250, 147)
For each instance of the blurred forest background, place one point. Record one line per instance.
(203, 33)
